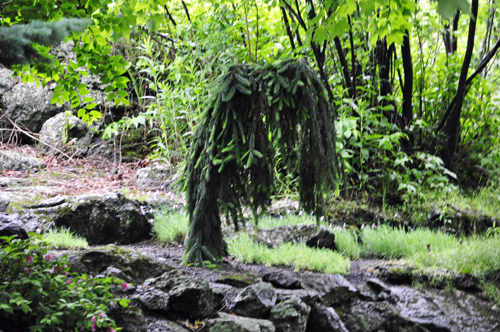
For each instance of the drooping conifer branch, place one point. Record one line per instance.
(255, 112)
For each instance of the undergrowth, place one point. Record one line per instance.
(170, 227)
(63, 238)
(298, 255)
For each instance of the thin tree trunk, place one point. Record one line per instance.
(451, 130)
(345, 66)
(408, 80)
(287, 27)
(353, 60)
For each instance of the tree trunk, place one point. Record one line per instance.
(407, 113)
(451, 130)
(204, 241)
(345, 66)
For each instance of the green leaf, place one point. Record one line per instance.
(447, 8)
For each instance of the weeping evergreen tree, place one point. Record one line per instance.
(16, 41)
(256, 111)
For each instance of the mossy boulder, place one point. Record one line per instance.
(99, 218)
(131, 263)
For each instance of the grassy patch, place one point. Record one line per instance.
(64, 239)
(473, 256)
(170, 227)
(386, 242)
(298, 255)
(346, 243)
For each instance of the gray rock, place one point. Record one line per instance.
(324, 239)
(154, 177)
(162, 325)
(254, 301)
(284, 207)
(4, 202)
(117, 273)
(131, 319)
(439, 310)
(10, 225)
(283, 279)
(156, 300)
(308, 234)
(133, 264)
(99, 218)
(290, 315)
(238, 281)
(231, 323)
(379, 316)
(7, 82)
(310, 297)
(189, 297)
(375, 290)
(323, 318)
(425, 310)
(12, 160)
(460, 221)
(67, 133)
(30, 105)
(332, 288)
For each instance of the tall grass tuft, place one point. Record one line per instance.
(473, 256)
(63, 238)
(170, 227)
(346, 243)
(391, 243)
(298, 255)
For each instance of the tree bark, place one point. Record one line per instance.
(407, 113)
(287, 27)
(452, 127)
(345, 66)
(204, 241)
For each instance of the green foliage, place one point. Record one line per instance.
(397, 243)
(253, 112)
(64, 239)
(170, 227)
(298, 255)
(38, 292)
(17, 41)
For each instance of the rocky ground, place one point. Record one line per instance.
(102, 201)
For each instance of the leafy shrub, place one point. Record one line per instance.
(38, 293)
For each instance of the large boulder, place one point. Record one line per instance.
(324, 318)
(155, 177)
(13, 160)
(283, 279)
(10, 225)
(155, 300)
(290, 315)
(99, 218)
(66, 133)
(332, 288)
(460, 221)
(130, 319)
(308, 234)
(162, 325)
(254, 301)
(29, 104)
(131, 264)
(189, 297)
(232, 323)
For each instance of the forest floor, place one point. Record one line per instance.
(84, 176)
